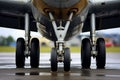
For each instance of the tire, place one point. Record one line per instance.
(34, 54)
(20, 57)
(86, 54)
(54, 65)
(67, 59)
(101, 56)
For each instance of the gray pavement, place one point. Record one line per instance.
(8, 70)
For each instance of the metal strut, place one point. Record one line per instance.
(93, 35)
(60, 32)
(27, 35)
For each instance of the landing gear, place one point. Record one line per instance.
(101, 55)
(34, 54)
(60, 53)
(20, 57)
(93, 47)
(24, 50)
(86, 53)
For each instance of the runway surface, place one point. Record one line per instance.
(8, 70)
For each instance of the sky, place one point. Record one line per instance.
(20, 33)
(15, 33)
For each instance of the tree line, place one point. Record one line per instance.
(6, 41)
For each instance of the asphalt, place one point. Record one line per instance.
(8, 70)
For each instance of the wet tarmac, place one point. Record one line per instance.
(8, 70)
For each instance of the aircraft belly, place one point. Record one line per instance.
(43, 6)
(61, 3)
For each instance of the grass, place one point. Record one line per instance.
(108, 49)
(7, 49)
(113, 49)
(48, 49)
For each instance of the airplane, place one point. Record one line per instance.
(59, 21)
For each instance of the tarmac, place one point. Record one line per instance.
(8, 70)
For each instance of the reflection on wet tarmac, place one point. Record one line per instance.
(105, 75)
(20, 74)
(80, 74)
(8, 71)
(48, 74)
(83, 73)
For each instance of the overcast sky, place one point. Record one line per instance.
(20, 33)
(16, 33)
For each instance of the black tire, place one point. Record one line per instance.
(34, 54)
(54, 65)
(86, 53)
(101, 56)
(67, 59)
(20, 57)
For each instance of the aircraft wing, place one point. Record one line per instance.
(107, 14)
(12, 14)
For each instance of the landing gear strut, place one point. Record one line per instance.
(60, 53)
(93, 47)
(24, 49)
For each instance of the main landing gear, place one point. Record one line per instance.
(92, 47)
(26, 48)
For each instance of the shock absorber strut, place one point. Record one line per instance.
(27, 35)
(93, 35)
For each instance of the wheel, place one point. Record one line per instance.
(86, 53)
(101, 56)
(34, 54)
(67, 59)
(20, 57)
(54, 61)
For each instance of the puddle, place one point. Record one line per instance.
(106, 75)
